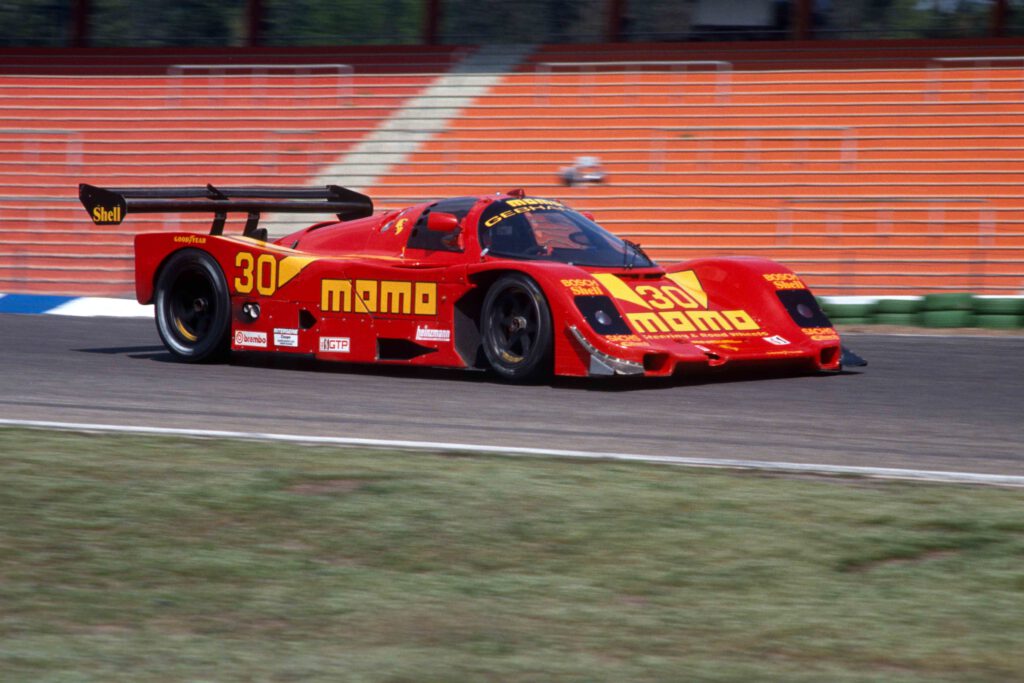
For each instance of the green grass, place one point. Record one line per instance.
(146, 559)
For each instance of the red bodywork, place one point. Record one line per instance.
(356, 291)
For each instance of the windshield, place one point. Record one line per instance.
(547, 230)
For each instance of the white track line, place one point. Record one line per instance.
(756, 465)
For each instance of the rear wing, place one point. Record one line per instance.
(110, 206)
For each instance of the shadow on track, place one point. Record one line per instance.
(299, 363)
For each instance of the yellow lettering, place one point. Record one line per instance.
(741, 320)
(680, 297)
(647, 322)
(266, 274)
(102, 215)
(426, 298)
(366, 296)
(678, 321)
(336, 295)
(243, 284)
(395, 297)
(655, 297)
(709, 320)
(373, 296)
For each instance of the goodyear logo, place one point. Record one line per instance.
(378, 296)
(681, 307)
(102, 215)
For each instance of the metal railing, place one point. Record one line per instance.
(884, 209)
(589, 70)
(804, 134)
(258, 74)
(33, 140)
(980, 85)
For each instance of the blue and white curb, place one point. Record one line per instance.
(78, 306)
(97, 306)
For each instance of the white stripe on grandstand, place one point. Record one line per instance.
(407, 129)
(755, 465)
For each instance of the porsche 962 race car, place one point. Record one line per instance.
(523, 286)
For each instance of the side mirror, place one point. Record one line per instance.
(589, 216)
(442, 222)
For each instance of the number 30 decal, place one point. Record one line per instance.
(261, 272)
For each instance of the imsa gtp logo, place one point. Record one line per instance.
(335, 344)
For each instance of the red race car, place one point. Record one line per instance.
(522, 286)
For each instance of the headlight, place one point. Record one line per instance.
(601, 314)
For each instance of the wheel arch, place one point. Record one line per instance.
(569, 359)
(195, 260)
(468, 313)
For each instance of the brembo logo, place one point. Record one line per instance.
(104, 215)
(243, 338)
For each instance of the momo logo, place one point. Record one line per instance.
(255, 339)
(378, 296)
(679, 307)
(104, 216)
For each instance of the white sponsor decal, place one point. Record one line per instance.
(777, 340)
(286, 337)
(243, 338)
(335, 344)
(428, 334)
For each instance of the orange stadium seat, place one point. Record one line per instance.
(870, 170)
(870, 167)
(125, 118)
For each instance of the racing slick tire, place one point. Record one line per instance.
(193, 307)
(516, 329)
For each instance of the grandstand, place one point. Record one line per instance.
(868, 167)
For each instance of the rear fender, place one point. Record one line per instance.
(250, 265)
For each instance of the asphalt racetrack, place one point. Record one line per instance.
(924, 402)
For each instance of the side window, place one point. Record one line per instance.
(422, 238)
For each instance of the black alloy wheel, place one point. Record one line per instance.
(516, 326)
(193, 308)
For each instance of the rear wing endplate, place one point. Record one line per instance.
(110, 206)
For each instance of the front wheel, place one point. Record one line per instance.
(516, 325)
(193, 308)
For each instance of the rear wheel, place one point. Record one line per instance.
(193, 308)
(516, 326)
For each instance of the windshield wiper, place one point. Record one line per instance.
(629, 257)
